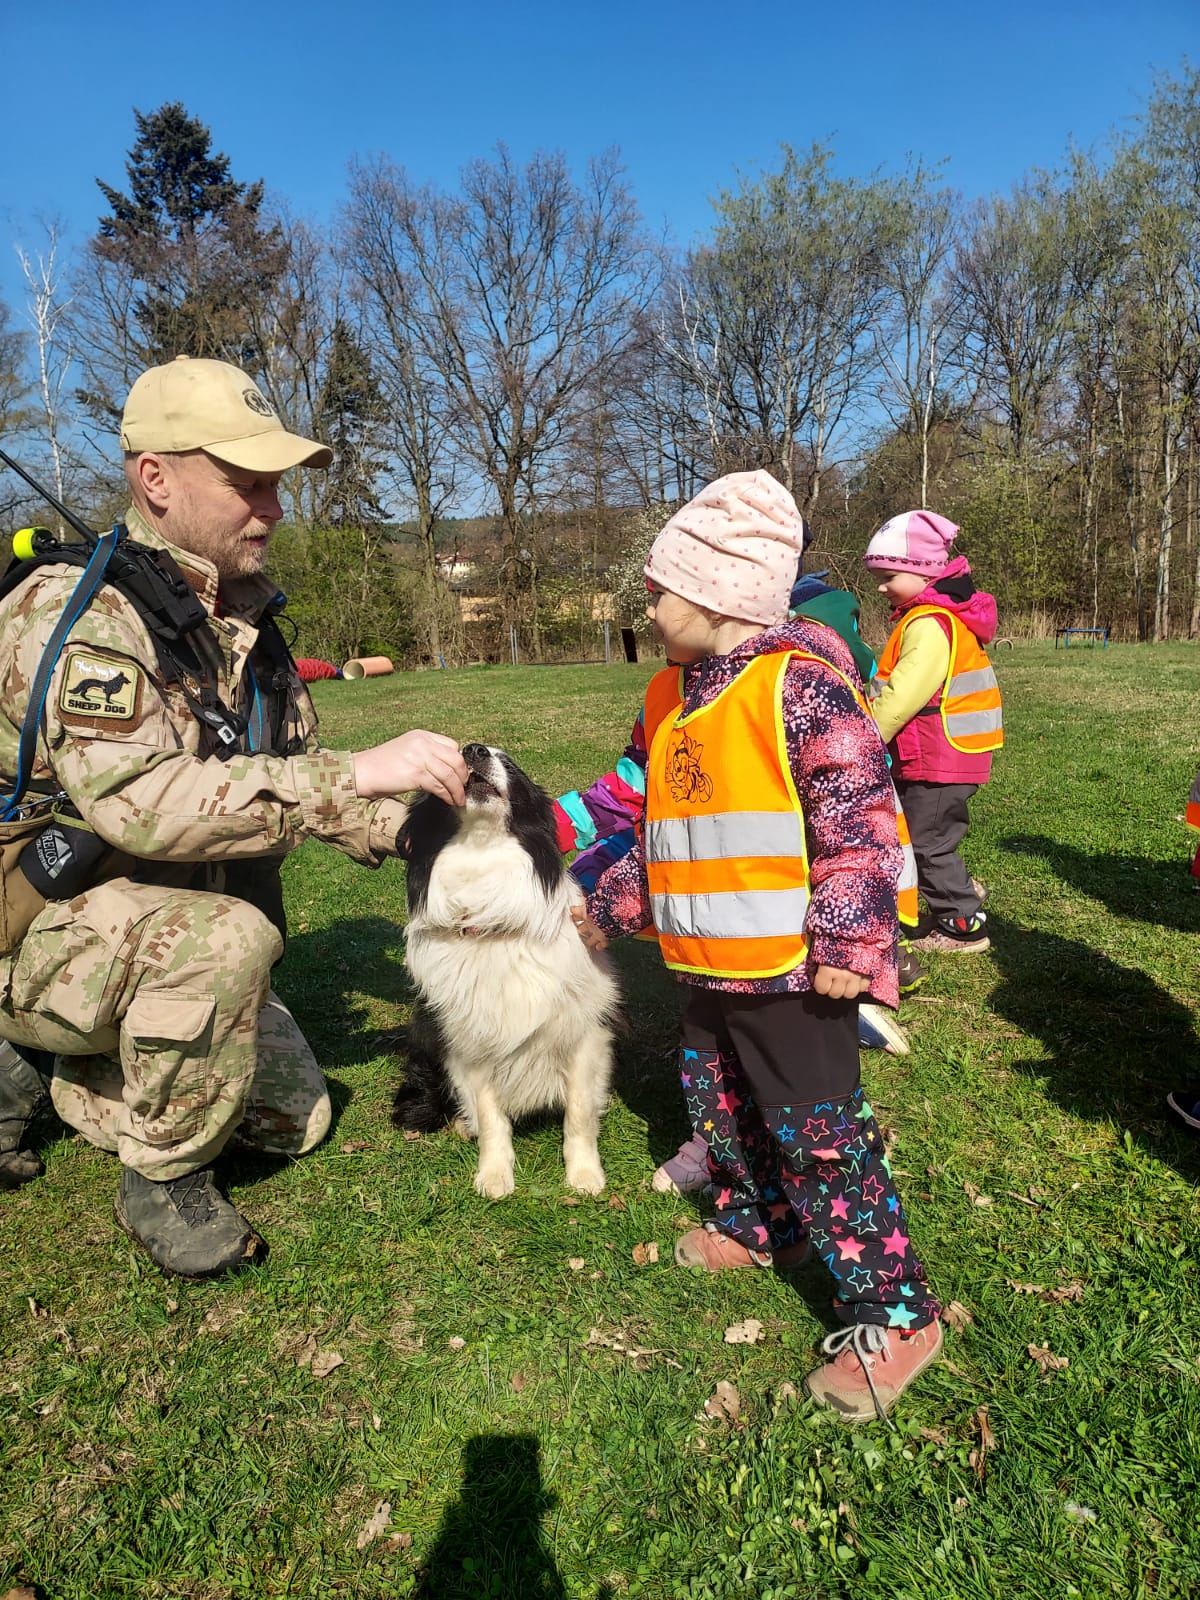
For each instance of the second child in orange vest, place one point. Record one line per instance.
(938, 710)
(768, 865)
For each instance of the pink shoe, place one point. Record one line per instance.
(871, 1368)
(686, 1172)
(715, 1251)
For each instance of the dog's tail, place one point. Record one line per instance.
(424, 1102)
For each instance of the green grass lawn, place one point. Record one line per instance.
(525, 1399)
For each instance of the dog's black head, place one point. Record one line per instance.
(495, 784)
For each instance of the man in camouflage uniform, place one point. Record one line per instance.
(152, 986)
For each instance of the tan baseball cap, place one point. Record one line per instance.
(195, 404)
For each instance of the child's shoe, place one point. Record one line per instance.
(871, 1368)
(686, 1172)
(879, 1030)
(1184, 1106)
(957, 935)
(910, 971)
(715, 1251)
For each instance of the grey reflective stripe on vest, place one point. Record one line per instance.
(960, 722)
(725, 835)
(971, 682)
(737, 914)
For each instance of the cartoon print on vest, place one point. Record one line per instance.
(685, 779)
(96, 690)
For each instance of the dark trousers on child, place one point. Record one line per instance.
(772, 1087)
(937, 822)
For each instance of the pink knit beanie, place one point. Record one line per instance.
(733, 549)
(915, 541)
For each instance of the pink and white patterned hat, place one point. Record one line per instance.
(734, 549)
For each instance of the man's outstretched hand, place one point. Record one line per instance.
(416, 760)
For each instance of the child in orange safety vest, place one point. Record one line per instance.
(937, 705)
(768, 864)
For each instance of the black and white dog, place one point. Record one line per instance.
(517, 1007)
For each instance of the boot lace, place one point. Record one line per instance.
(195, 1197)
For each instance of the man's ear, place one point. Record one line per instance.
(148, 479)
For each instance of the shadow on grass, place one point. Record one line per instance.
(647, 1075)
(491, 1541)
(1144, 890)
(328, 974)
(1117, 1042)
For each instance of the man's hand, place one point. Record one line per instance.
(839, 984)
(588, 931)
(416, 760)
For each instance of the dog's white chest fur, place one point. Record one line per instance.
(523, 1005)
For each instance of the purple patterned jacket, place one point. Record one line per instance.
(840, 770)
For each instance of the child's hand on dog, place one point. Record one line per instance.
(588, 931)
(839, 984)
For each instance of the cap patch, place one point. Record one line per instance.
(258, 403)
(96, 690)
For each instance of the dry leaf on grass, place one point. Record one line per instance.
(400, 1541)
(937, 1436)
(37, 1311)
(748, 1332)
(576, 1263)
(787, 1394)
(623, 1345)
(411, 1135)
(569, 1200)
(457, 1343)
(645, 1254)
(306, 1351)
(615, 1203)
(375, 1526)
(326, 1362)
(956, 1316)
(724, 1404)
(518, 1382)
(351, 1148)
(1048, 1362)
(1053, 1297)
(987, 1441)
(972, 1193)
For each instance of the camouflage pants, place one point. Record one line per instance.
(169, 1040)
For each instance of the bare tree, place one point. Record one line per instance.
(47, 307)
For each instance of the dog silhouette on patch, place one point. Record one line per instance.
(108, 687)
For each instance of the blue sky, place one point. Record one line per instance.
(691, 93)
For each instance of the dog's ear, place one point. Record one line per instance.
(531, 814)
(429, 826)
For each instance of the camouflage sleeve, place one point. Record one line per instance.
(128, 750)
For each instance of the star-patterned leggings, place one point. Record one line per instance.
(772, 1086)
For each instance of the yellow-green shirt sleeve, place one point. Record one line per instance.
(919, 672)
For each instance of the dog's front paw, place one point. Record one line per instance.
(586, 1176)
(495, 1182)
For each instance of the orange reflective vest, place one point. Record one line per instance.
(969, 699)
(906, 893)
(1193, 804)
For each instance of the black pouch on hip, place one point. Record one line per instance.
(63, 858)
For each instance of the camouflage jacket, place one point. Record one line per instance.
(143, 772)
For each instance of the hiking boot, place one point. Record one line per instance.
(686, 1172)
(909, 970)
(956, 935)
(715, 1251)
(186, 1226)
(1184, 1106)
(879, 1030)
(871, 1368)
(22, 1096)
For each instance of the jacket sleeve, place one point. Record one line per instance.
(613, 804)
(620, 902)
(114, 744)
(919, 673)
(839, 766)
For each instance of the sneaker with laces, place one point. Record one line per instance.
(956, 935)
(871, 1368)
(186, 1226)
(686, 1172)
(715, 1251)
(879, 1030)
